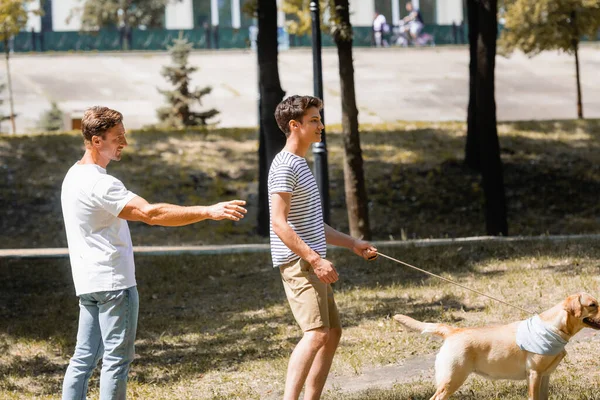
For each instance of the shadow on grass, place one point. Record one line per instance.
(201, 314)
(416, 182)
(32, 169)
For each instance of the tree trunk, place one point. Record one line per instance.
(489, 146)
(271, 139)
(354, 181)
(579, 101)
(10, 92)
(576, 51)
(472, 159)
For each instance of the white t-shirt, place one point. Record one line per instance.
(99, 242)
(379, 23)
(289, 173)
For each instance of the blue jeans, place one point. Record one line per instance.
(107, 326)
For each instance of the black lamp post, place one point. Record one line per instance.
(319, 149)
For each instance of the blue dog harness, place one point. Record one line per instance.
(534, 336)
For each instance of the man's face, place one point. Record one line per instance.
(409, 7)
(111, 147)
(311, 126)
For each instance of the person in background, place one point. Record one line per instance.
(380, 28)
(414, 20)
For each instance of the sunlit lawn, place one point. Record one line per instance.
(417, 186)
(218, 327)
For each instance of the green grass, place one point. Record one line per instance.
(219, 327)
(416, 183)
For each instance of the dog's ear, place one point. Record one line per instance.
(573, 305)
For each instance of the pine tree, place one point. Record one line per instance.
(52, 120)
(179, 112)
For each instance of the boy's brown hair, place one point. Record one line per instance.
(294, 108)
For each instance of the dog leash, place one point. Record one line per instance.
(455, 283)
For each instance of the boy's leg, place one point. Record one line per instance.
(317, 376)
(302, 361)
(118, 324)
(88, 351)
(315, 311)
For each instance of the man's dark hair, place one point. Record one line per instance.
(294, 108)
(97, 120)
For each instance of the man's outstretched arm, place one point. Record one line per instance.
(164, 214)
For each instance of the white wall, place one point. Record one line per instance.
(280, 14)
(61, 11)
(236, 14)
(395, 13)
(33, 21)
(449, 11)
(179, 15)
(214, 12)
(362, 12)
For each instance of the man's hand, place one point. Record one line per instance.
(232, 210)
(364, 249)
(325, 271)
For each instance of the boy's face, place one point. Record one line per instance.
(310, 127)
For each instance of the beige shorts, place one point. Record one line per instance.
(311, 300)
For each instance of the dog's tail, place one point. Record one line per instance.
(424, 327)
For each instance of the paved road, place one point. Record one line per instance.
(392, 84)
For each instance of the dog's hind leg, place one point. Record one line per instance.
(446, 387)
(451, 371)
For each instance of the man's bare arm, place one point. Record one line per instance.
(164, 214)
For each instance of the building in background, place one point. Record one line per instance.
(213, 24)
(63, 15)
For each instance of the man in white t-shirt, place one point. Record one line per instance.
(380, 28)
(96, 208)
(299, 239)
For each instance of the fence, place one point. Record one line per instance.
(160, 39)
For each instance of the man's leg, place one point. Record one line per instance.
(321, 365)
(88, 351)
(302, 360)
(118, 324)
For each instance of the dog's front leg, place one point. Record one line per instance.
(534, 383)
(544, 387)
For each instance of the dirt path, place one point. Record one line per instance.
(417, 368)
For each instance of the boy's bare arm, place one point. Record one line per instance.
(280, 209)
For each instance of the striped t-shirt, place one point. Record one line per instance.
(289, 173)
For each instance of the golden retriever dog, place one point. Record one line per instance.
(494, 353)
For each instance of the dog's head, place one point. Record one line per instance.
(584, 310)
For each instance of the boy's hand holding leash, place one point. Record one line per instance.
(364, 249)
